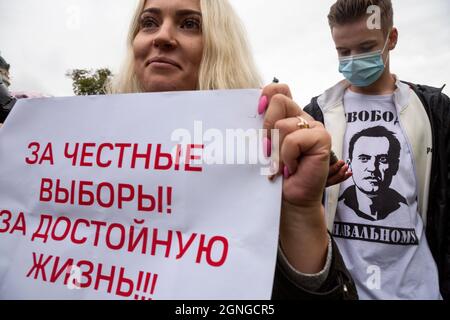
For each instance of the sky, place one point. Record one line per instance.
(290, 40)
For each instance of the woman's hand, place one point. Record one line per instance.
(304, 160)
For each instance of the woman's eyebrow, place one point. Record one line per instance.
(152, 10)
(178, 13)
(187, 12)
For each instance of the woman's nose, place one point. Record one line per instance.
(165, 37)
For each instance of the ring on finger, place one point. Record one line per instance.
(303, 124)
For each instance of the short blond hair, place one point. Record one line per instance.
(227, 62)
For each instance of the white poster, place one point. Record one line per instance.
(142, 196)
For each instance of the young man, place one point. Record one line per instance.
(391, 220)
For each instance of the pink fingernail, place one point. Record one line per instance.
(267, 147)
(262, 105)
(286, 172)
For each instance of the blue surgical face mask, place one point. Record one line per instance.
(362, 70)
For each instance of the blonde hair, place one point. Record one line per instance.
(227, 62)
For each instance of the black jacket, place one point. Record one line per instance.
(339, 284)
(437, 106)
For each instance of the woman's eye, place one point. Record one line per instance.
(191, 24)
(148, 23)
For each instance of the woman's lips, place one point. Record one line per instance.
(163, 62)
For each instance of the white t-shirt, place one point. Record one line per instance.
(378, 228)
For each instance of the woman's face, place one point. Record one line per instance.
(169, 45)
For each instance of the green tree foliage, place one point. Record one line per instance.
(89, 82)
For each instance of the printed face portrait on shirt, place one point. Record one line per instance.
(374, 158)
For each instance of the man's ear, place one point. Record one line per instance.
(393, 39)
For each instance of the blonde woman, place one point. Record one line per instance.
(200, 45)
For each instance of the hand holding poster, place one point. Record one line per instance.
(147, 196)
